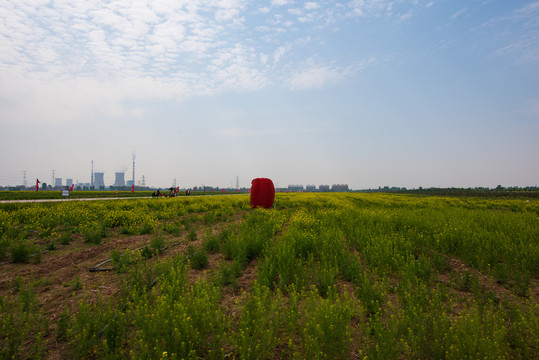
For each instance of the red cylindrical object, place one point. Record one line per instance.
(262, 193)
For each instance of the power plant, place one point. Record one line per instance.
(119, 181)
(99, 181)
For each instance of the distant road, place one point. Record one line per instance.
(59, 200)
(107, 198)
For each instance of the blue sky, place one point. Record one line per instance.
(367, 92)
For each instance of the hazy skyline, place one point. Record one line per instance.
(368, 93)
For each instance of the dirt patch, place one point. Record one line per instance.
(234, 295)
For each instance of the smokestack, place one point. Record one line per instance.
(133, 156)
(92, 175)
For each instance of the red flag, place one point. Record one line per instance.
(37, 184)
(71, 188)
(132, 188)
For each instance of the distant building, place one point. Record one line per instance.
(83, 186)
(310, 187)
(323, 187)
(129, 182)
(99, 182)
(69, 182)
(295, 187)
(339, 187)
(57, 182)
(119, 181)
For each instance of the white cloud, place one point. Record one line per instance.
(279, 2)
(366, 7)
(309, 5)
(73, 61)
(264, 59)
(314, 76)
(62, 101)
(519, 38)
(458, 14)
(406, 16)
(279, 53)
(263, 10)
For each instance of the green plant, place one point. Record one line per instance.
(199, 260)
(146, 252)
(76, 284)
(51, 245)
(126, 230)
(212, 244)
(172, 229)
(92, 236)
(20, 253)
(62, 325)
(157, 244)
(228, 274)
(146, 228)
(192, 236)
(65, 238)
(120, 260)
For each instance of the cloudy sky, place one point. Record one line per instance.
(364, 92)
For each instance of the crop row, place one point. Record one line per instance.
(27, 228)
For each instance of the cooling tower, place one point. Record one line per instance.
(98, 180)
(69, 182)
(58, 182)
(119, 179)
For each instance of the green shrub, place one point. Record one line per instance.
(212, 244)
(20, 253)
(126, 230)
(172, 229)
(4, 246)
(199, 260)
(120, 260)
(51, 245)
(92, 237)
(63, 323)
(65, 238)
(229, 273)
(146, 253)
(192, 236)
(146, 229)
(157, 244)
